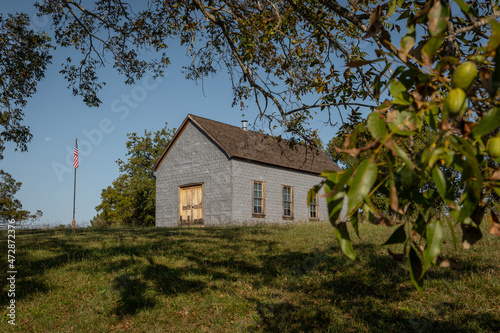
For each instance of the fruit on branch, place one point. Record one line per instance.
(465, 75)
(493, 147)
(456, 102)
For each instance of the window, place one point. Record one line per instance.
(258, 199)
(313, 208)
(287, 201)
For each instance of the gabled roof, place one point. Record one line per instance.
(254, 146)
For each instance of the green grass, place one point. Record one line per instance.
(289, 278)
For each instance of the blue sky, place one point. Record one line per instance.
(55, 118)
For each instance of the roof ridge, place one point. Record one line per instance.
(266, 135)
(259, 147)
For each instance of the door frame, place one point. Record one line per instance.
(188, 222)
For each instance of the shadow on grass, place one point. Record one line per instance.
(360, 291)
(356, 289)
(132, 296)
(117, 249)
(287, 317)
(170, 281)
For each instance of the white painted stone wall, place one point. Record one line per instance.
(274, 178)
(194, 158)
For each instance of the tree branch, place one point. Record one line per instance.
(306, 107)
(313, 21)
(479, 23)
(247, 73)
(357, 21)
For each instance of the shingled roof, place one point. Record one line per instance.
(254, 146)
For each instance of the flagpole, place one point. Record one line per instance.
(75, 165)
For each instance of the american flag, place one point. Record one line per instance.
(75, 157)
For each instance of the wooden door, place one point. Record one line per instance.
(191, 206)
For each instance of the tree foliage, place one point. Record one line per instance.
(130, 200)
(343, 152)
(298, 60)
(24, 56)
(10, 207)
(276, 52)
(430, 88)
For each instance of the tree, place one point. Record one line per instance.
(288, 56)
(11, 208)
(131, 198)
(24, 56)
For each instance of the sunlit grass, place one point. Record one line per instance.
(287, 278)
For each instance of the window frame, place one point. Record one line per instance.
(263, 199)
(286, 217)
(316, 204)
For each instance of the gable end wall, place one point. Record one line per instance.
(194, 158)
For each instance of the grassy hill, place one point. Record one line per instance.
(289, 278)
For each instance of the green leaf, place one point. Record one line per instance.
(401, 153)
(438, 18)
(397, 237)
(340, 179)
(361, 184)
(490, 122)
(398, 72)
(495, 80)
(361, 62)
(401, 123)
(408, 41)
(371, 213)
(328, 173)
(430, 48)
(376, 125)
(431, 117)
(465, 7)
(397, 88)
(435, 155)
(334, 202)
(442, 185)
(434, 236)
(355, 223)
(335, 192)
(400, 94)
(463, 146)
(311, 194)
(416, 270)
(420, 224)
(378, 86)
(408, 177)
(470, 200)
(345, 242)
(391, 8)
(421, 15)
(494, 42)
